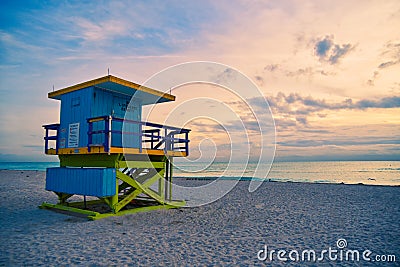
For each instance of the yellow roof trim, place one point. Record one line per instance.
(110, 78)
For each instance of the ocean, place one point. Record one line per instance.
(28, 166)
(348, 172)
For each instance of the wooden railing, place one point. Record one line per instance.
(47, 138)
(150, 135)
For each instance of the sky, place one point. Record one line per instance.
(328, 69)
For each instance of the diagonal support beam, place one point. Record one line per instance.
(117, 207)
(140, 188)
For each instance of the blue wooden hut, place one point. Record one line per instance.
(108, 153)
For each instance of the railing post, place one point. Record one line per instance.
(171, 174)
(109, 124)
(90, 135)
(58, 127)
(166, 140)
(172, 142)
(46, 141)
(152, 140)
(107, 133)
(140, 137)
(187, 143)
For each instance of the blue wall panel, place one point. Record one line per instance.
(106, 103)
(99, 182)
(101, 106)
(78, 106)
(75, 108)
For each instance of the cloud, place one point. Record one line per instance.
(339, 142)
(391, 55)
(284, 123)
(288, 71)
(302, 119)
(327, 50)
(386, 102)
(94, 32)
(302, 71)
(294, 103)
(392, 52)
(339, 51)
(271, 67)
(323, 46)
(292, 111)
(387, 64)
(300, 114)
(371, 82)
(259, 80)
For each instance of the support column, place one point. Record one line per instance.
(170, 163)
(114, 198)
(166, 177)
(161, 185)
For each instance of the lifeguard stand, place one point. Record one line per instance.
(108, 153)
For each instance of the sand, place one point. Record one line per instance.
(229, 232)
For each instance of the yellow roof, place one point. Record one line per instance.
(118, 85)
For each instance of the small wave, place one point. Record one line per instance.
(322, 182)
(389, 169)
(222, 178)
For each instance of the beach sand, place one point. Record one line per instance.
(229, 232)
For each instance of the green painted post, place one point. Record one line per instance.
(161, 183)
(170, 177)
(114, 198)
(166, 177)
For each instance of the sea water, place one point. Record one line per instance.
(28, 166)
(349, 172)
